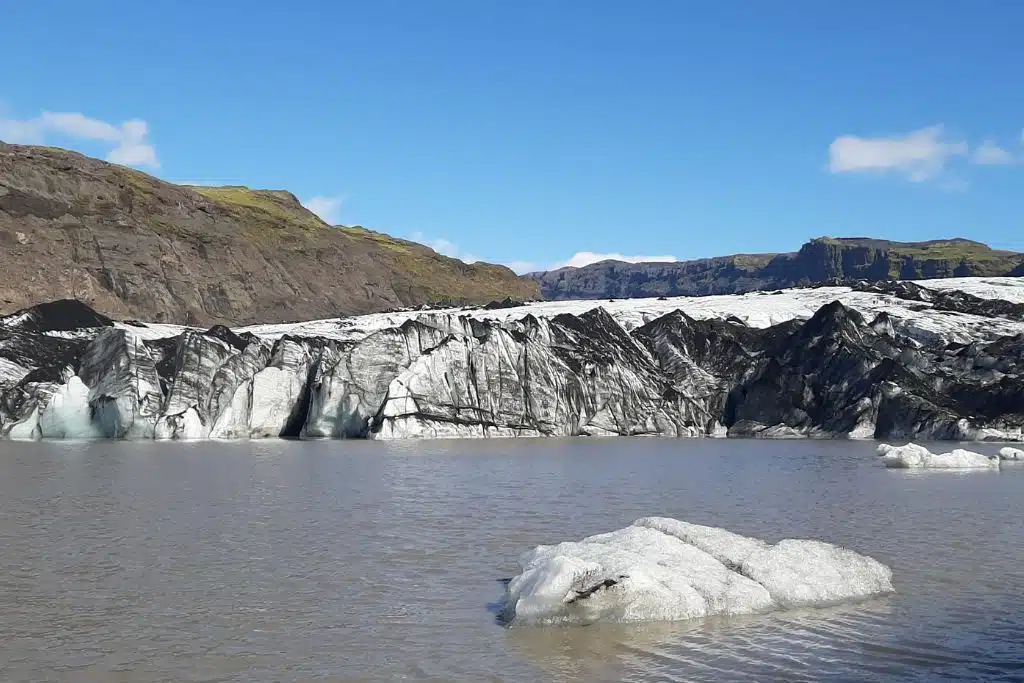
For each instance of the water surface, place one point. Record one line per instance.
(338, 561)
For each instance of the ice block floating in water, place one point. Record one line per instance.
(913, 456)
(662, 569)
(1010, 453)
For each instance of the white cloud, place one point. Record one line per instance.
(585, 258)
(21, 132)
(81, 126)
(991, 154)
(919, 156)
(521, 267)
(133, 148)
(328, 208)
(440, 245)
(130, 139)
(444, 247)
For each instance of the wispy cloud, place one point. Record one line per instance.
(130, 139)
(991, 154)
(585, 258)
(444, 247)
(521, 267)
(918, 156)
(924, 155)
(328, 208)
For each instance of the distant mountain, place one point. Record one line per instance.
(131, 245)
(820, 260)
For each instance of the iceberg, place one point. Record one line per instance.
(1009, 453)
(663, 569)
(913, 456)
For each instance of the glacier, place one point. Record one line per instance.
(663, 569)
(926, 360)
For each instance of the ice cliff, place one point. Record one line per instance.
(890, 360)
(662, 569)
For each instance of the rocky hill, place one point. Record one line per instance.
(820, 260)
(133, 246)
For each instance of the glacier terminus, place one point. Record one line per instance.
(896, 360)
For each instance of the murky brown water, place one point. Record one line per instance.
(339, 561)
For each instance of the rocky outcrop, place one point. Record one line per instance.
(845, 371)
(819, 261)
(134, 246)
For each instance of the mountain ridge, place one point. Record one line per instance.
(134, 246)
(820, 260)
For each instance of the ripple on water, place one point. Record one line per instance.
(352, 561)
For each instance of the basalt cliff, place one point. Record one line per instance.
(819, 261)
(885, 360)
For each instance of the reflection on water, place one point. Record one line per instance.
(748, 647)
(333, 561)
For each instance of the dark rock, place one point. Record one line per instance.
(507, 302)
(55, 316)
(226, 335)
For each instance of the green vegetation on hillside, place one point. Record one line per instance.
(950, 249)
(436, 277)
(418, 270)
(358, 232)
(275, 205)
(752, 261)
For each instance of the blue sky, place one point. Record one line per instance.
(529, 132)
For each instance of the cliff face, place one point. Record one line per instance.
(818, 261)
(133, 246)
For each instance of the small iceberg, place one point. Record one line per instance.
(1009, 453)
(663, 569)
(919, 457)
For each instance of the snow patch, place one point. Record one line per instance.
(1006, 288)
(756, 309)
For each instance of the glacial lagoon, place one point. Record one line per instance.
(349, 560)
